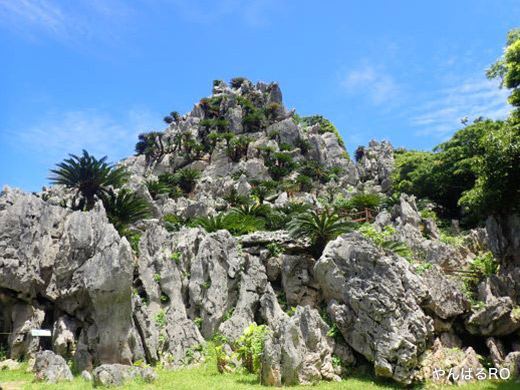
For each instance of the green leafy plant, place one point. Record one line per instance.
(172, 222)
(89, 176)
(156, 187)
(125, 208)
(423, 267)
(176, 257)
(187, 178)
(160, 318)
(383, 239)
(250, 346)
(319, 228)
(275, 249)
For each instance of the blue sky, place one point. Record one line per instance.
(94, 73)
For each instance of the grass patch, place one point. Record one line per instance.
(206, 377)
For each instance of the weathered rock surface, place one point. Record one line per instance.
(375, 301)
(497, 318)
(119, 374)
(446, 298)
(76, 262)
(298, 351)
(51, 368)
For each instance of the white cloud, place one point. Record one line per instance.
(64, 20)
(378, 85)
(252, 12)
(60, 134)
(441, 114)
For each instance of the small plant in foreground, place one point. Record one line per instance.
(250, 346)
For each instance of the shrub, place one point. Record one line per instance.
(237, 82)
(485, 263)
(156, 187)
(250, 346)
(319, 228)
(172, 222)
(359, 153)
(362, 201)
(383, 239)
(125, 208)
(187, 177)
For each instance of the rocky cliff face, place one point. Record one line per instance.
(70, 271)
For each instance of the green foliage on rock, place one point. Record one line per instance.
(319, 228)
(125, 208)
(89, 177)
(250, 346)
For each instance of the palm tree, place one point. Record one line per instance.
(125, 208)
(89, 176)
(320, 228)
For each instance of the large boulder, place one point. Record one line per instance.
(446, 299)
(51, 368)
(497, 318)
(298, 351)
(375, 300)
(119, 374)
(63, 261)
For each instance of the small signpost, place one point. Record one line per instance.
(40, 333)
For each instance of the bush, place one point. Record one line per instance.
(156, 187)
(237, 82)
(485, 263)
(250, 346)
(383, 240)
(362, 201)
(187, 178)
(172, 222)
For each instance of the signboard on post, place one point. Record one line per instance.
(40, 333)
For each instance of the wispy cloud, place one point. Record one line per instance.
(70, 132)
(379, 86)
(252, 13)
(441, 114)
(67, 21)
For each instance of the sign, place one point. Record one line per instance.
(40, 333)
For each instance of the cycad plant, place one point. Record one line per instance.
(90, 177)
(319, 228)
(187, 178)
(125, 208)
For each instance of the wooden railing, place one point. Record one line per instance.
(366, 215)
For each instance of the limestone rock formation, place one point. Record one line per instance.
(375, 300)
(298, 351)
(51, 368)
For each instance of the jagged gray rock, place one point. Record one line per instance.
(76, 262)
(119, 374)
(497, 318)
(51, 368)
(375, 300)
(298, 351)
(445, 296)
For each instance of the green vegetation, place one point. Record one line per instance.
(319, 228)
(125, 208)
(250, 346)
(207, 377)
(475, 173)
(90, 177)
(383, 239)
(326, 126)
